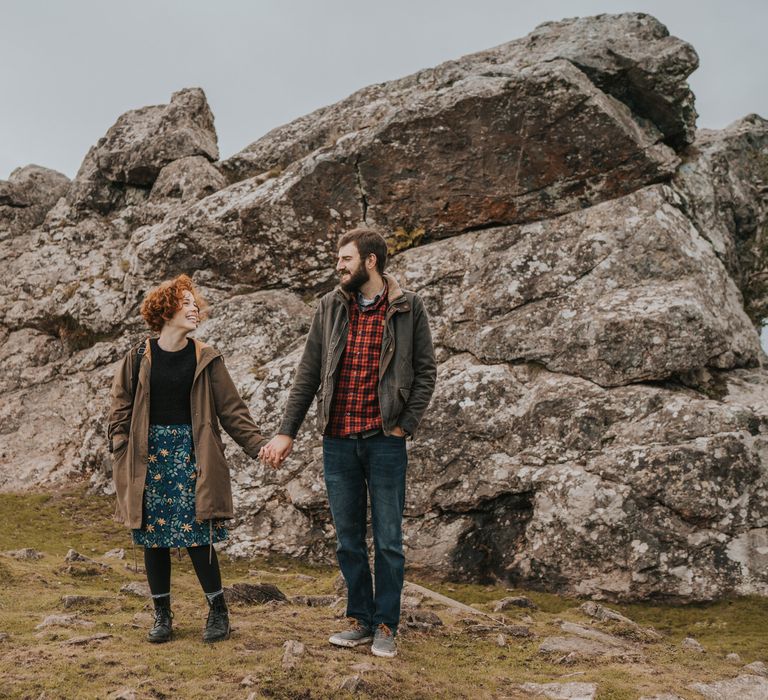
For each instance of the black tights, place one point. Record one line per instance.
(157, 562)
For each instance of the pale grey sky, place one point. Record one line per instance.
(69, 69)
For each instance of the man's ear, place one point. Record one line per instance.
(371, 257)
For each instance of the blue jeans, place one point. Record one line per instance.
(355, 470)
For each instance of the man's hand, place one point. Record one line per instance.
(397, 431)
(276, 450)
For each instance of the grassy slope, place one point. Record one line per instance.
(446, 663)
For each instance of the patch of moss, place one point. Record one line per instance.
(403, 239)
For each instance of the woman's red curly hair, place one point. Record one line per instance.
(163, 301)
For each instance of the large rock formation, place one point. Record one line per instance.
(594, 268)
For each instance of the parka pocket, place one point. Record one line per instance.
(119, 464)
(216, 435)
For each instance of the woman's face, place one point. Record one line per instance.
(187, 318)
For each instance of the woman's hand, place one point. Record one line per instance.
(276, 450)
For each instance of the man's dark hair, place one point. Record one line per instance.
(367, 242)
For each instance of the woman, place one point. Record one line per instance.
(171, 477)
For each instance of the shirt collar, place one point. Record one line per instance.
(365, 304)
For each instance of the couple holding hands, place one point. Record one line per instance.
(369, 360)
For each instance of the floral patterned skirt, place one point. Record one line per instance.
(168, 518)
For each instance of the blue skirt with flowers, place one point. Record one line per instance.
(169, 493)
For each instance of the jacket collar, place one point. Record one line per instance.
(395, 294)
(204, 355)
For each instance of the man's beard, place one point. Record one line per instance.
(356, 279)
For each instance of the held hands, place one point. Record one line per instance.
(280, 446)
(276, 450)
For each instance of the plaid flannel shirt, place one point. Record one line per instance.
(355, 406)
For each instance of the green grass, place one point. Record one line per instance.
(446, 663)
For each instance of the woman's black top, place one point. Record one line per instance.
(170, 384)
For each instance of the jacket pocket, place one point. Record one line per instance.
(121, 477)
(214, 429)
(405, 393)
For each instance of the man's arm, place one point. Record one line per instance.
(424, 370)
(305, 384)
(306, 380)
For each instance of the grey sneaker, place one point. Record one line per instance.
(384, 642)
(357, 634)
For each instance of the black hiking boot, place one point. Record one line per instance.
(217, 625)
(162, 630)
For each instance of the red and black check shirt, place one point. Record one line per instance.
(355, 406)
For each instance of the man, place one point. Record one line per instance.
(369, 353)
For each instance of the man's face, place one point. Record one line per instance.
(351, 268)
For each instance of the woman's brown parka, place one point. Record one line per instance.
(214, 398)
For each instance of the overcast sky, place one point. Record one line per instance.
(68, 69)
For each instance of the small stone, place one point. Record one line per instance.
(692, 645)
(64, 621)
(81, 641)
(137, 588)
(73, 555)
(591, 633)
(559, 691)
(4, 636)
(741, 687)
(351, 684)
(142, 620)
(514, 602)
(124, 694)
(253, 593)
(571, 649)
(364, 667)
(757, 667)
(314, 601)
(412, 601)
(600, 612)
(247, 682)
(511, 630)
(421, 620)
(115, 553)
(501, 640)
(733, 657)
(292, 653)
(304, 577)
(79, 565)
(24, 554)
(83, 601)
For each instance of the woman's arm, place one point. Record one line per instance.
(231, 410)
(121, 406)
